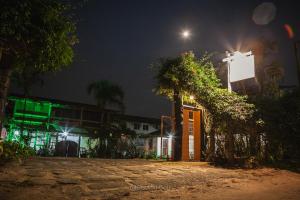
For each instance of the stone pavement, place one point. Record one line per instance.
(91, 179)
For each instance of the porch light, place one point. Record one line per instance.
(16, 132)
(65, 133)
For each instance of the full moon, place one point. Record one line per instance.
(186, 34)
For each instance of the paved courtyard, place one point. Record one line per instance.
(73, 178)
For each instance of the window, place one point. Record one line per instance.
(67, 113)
(139, 142)
(91, 115)
(145, 127)
(136, 126)
(191, 128)
(191, 115)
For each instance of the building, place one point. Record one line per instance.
(66, 128)
(192, 134)
(193, 142)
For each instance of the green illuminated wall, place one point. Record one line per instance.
(35, 120)
(30, 118)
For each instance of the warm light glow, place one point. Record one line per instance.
(186, 34)
(192, 97)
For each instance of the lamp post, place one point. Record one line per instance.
(65, 135)
(162, 130)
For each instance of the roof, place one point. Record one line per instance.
(117, 115)
(62, 102)
(133, 118)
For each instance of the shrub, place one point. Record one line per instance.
(151, 155)
(10, 150)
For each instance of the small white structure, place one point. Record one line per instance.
(164, 149)
(240, 66)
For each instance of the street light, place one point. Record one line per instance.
(162, 130)
(65, 135)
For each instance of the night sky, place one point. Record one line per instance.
(119, 39)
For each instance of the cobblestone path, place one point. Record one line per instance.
(91, 179)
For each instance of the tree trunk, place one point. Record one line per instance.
(229, 145)
(178, 126)
(253, 140)
(5, 74)
(212, 146)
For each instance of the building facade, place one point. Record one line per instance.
(71, 129)
(57, 125)
(192, 135)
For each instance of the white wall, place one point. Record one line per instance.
(151, 127)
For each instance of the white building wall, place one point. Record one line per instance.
(151, 127)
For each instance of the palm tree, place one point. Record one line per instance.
(169, 84)
(106, 94)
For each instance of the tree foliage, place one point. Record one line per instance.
(281, 126)
(187, 75)
(36, 33)
(197, 77)
(262, 128)
(106, 94)
(26, 78)
(35, 36)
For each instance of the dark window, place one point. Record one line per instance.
(191, 115)
(67, 113)
(136, 126)
(91, 115)
(145, 127)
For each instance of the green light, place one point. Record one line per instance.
(34, 119)
(28, 122)
(30, 115)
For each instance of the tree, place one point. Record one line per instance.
(268, 68)
(34, 34)
(26, 79)
(187, 75)
(106, 94)
(281, 127)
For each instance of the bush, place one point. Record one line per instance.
(10, 150)
(151, 155)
